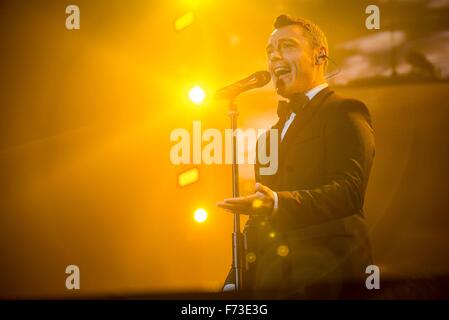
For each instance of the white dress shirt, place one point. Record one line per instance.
(310, 94)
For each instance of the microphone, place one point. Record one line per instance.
(256, 80)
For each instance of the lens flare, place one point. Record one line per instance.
(184, 21)
(188, 177)
(283, 251)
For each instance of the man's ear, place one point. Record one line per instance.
(321, 56)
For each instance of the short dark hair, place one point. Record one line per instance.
(312, 31)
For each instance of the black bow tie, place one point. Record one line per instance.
(297, 102)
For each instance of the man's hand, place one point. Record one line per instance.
(259, 203)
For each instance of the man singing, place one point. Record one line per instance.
(307, 235)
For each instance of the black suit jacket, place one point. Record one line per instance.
(318, 237)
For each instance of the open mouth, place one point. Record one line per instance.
(281, 70)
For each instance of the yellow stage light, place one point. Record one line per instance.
(200, 215)
(197, 95)
(188, 177)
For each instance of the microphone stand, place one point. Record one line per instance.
(237, 236)
(256, 80)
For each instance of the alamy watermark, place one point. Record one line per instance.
(72, 282)
(218, 150)
(373, 20)
(373, 280)
(72, 21)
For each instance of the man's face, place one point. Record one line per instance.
(291, 60)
